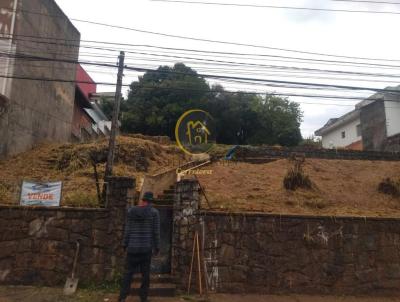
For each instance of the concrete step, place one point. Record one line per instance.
(161, 285)
(163, 202)
(156, 291)
(169, 191)
(157, 278)
(167, 196)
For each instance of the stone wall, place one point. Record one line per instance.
(392, 143)
(264, 253)
(249, 153)
(37, 245)
(274, 254)
(185, 223)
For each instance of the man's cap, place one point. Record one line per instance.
(148, 196)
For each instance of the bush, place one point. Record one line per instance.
(389, 187)
(295, 177)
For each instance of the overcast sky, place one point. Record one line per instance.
(348, 34)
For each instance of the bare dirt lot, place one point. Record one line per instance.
(33, 294)
(72, 164)
(341, 188)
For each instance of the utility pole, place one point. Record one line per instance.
(114, 123)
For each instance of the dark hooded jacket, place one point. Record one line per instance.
(142, 230)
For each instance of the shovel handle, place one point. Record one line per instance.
(75, 259)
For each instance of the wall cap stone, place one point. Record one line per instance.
(291, 216)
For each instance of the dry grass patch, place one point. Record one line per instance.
(73, 165)
(339, 188)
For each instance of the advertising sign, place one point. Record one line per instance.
(41, 194)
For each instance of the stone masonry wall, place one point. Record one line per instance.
(246, 152)
(275, 254)
(37, 245)
(264, 253)
(185, 223)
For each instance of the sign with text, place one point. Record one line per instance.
(41, 194)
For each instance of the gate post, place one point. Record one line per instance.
(120, 190)
(185, 217)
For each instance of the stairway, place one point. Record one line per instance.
(167, 198)
(161, 285)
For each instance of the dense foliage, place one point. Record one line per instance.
(160, 97)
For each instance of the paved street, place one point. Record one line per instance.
(33, 294)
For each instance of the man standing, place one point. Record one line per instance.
(141, 239)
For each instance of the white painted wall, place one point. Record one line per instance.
(392, 111)
(334, 138)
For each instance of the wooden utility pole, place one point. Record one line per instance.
(114, 123)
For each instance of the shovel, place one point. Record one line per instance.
(72, 283)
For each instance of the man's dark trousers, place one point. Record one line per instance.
(133, 262)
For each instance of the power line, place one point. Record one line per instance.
(271, 83)
(274, 81)
(342, 98)
(261, 81)
(279, 7)
(281, 67)
(213, 53)
(46, 59)
(181, 49)
(368, 1)
(214, 76)
(232, 62)
(205, 40)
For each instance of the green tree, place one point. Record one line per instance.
(244, 118)
(312, 142)
(157, 100)
(107, 105)
(160, 97)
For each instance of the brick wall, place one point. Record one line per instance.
(37, 245)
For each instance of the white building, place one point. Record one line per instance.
(342, 132)
(374, 124)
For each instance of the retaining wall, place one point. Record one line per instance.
(37, 245)
(263, 253)
(273, 254)
(247, 152)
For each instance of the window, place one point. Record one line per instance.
(343, 134)
(358, 130)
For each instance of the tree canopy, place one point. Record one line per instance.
(157, 100)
